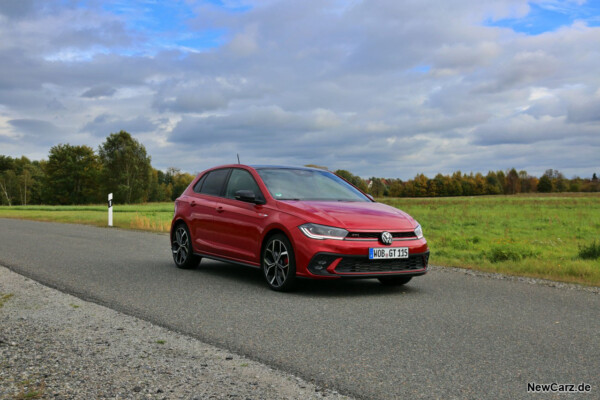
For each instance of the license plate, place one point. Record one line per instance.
(388, 252)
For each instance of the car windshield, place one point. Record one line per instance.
(306, 184)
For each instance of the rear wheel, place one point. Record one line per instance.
(279, 263)
(394, 280)
(181, 245)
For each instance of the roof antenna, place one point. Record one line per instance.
(238, 154)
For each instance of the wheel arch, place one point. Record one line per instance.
(175, 224)
(271, 232)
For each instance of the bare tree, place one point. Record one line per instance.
(3, 186)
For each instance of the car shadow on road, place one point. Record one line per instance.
(232, 272)
(350, 288)
(253, 277)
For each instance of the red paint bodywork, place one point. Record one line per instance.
(233, 230)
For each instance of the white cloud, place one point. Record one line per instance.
(385, 88)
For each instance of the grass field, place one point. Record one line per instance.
(154, 217)
(552, 236)
(538, 236)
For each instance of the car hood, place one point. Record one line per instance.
(350, 215)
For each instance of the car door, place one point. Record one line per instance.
(239, 224)
(203, 209)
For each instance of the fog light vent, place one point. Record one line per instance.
(319, 263)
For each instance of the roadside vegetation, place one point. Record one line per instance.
(4, 298)
(551, 236)
(155, 217)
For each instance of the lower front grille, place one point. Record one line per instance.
(364, 265)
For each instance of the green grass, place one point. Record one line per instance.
(150, 217)
(545, 236)
(551, 236)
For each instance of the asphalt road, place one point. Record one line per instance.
(444, 335)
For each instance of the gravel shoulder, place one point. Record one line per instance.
(56, 346)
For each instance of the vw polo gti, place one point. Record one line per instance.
(294, 222)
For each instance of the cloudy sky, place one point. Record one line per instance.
(382, 88)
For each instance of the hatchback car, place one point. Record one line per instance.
(294, 222)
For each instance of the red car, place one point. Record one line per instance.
(294, 222)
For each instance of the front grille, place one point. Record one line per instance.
(375, 235)
(364, 265)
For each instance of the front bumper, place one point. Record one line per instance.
(326, 259)
(328, 264)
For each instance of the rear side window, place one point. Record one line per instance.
(213, 184)
(198, 185)
(242, 180)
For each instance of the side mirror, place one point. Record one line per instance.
(247, 196)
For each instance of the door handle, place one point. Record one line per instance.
(193, 204)
(220, 209)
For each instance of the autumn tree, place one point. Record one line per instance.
(544, 184)
(594, 185)
(455, 188)
(8, 185)
(376, 188)
(20, 181)
(126, 168)
(492, 184)
(180, 181)
(353, 179)
(72, 175)
(421, 184)
(396, 188)
(7, 179)
(512, 184)
(159, 190)
(528, 182)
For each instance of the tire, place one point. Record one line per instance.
(394, 280)
(181, 246)
(279, 263)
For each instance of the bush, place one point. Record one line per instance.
(503, 253)
(590, 252)
(510, 252)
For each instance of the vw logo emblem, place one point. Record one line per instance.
(386, 238)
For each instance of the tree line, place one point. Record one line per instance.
(121, 165)
(80, 175)
(460, 184)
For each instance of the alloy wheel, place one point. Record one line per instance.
(278, 263)
(182, 248)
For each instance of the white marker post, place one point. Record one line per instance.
(110, 209)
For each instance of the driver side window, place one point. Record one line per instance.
(242, 180)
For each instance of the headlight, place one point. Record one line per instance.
(419, 232)
(315, 231)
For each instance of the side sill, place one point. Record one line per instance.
(226, 260)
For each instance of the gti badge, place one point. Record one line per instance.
(386, 238)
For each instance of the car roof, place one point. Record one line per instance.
(265, 166)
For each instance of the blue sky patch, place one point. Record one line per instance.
(551, 15)
(422, 68)
(165, 23)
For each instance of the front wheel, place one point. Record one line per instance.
(279, 263)
(181, 245)
(394, 280)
